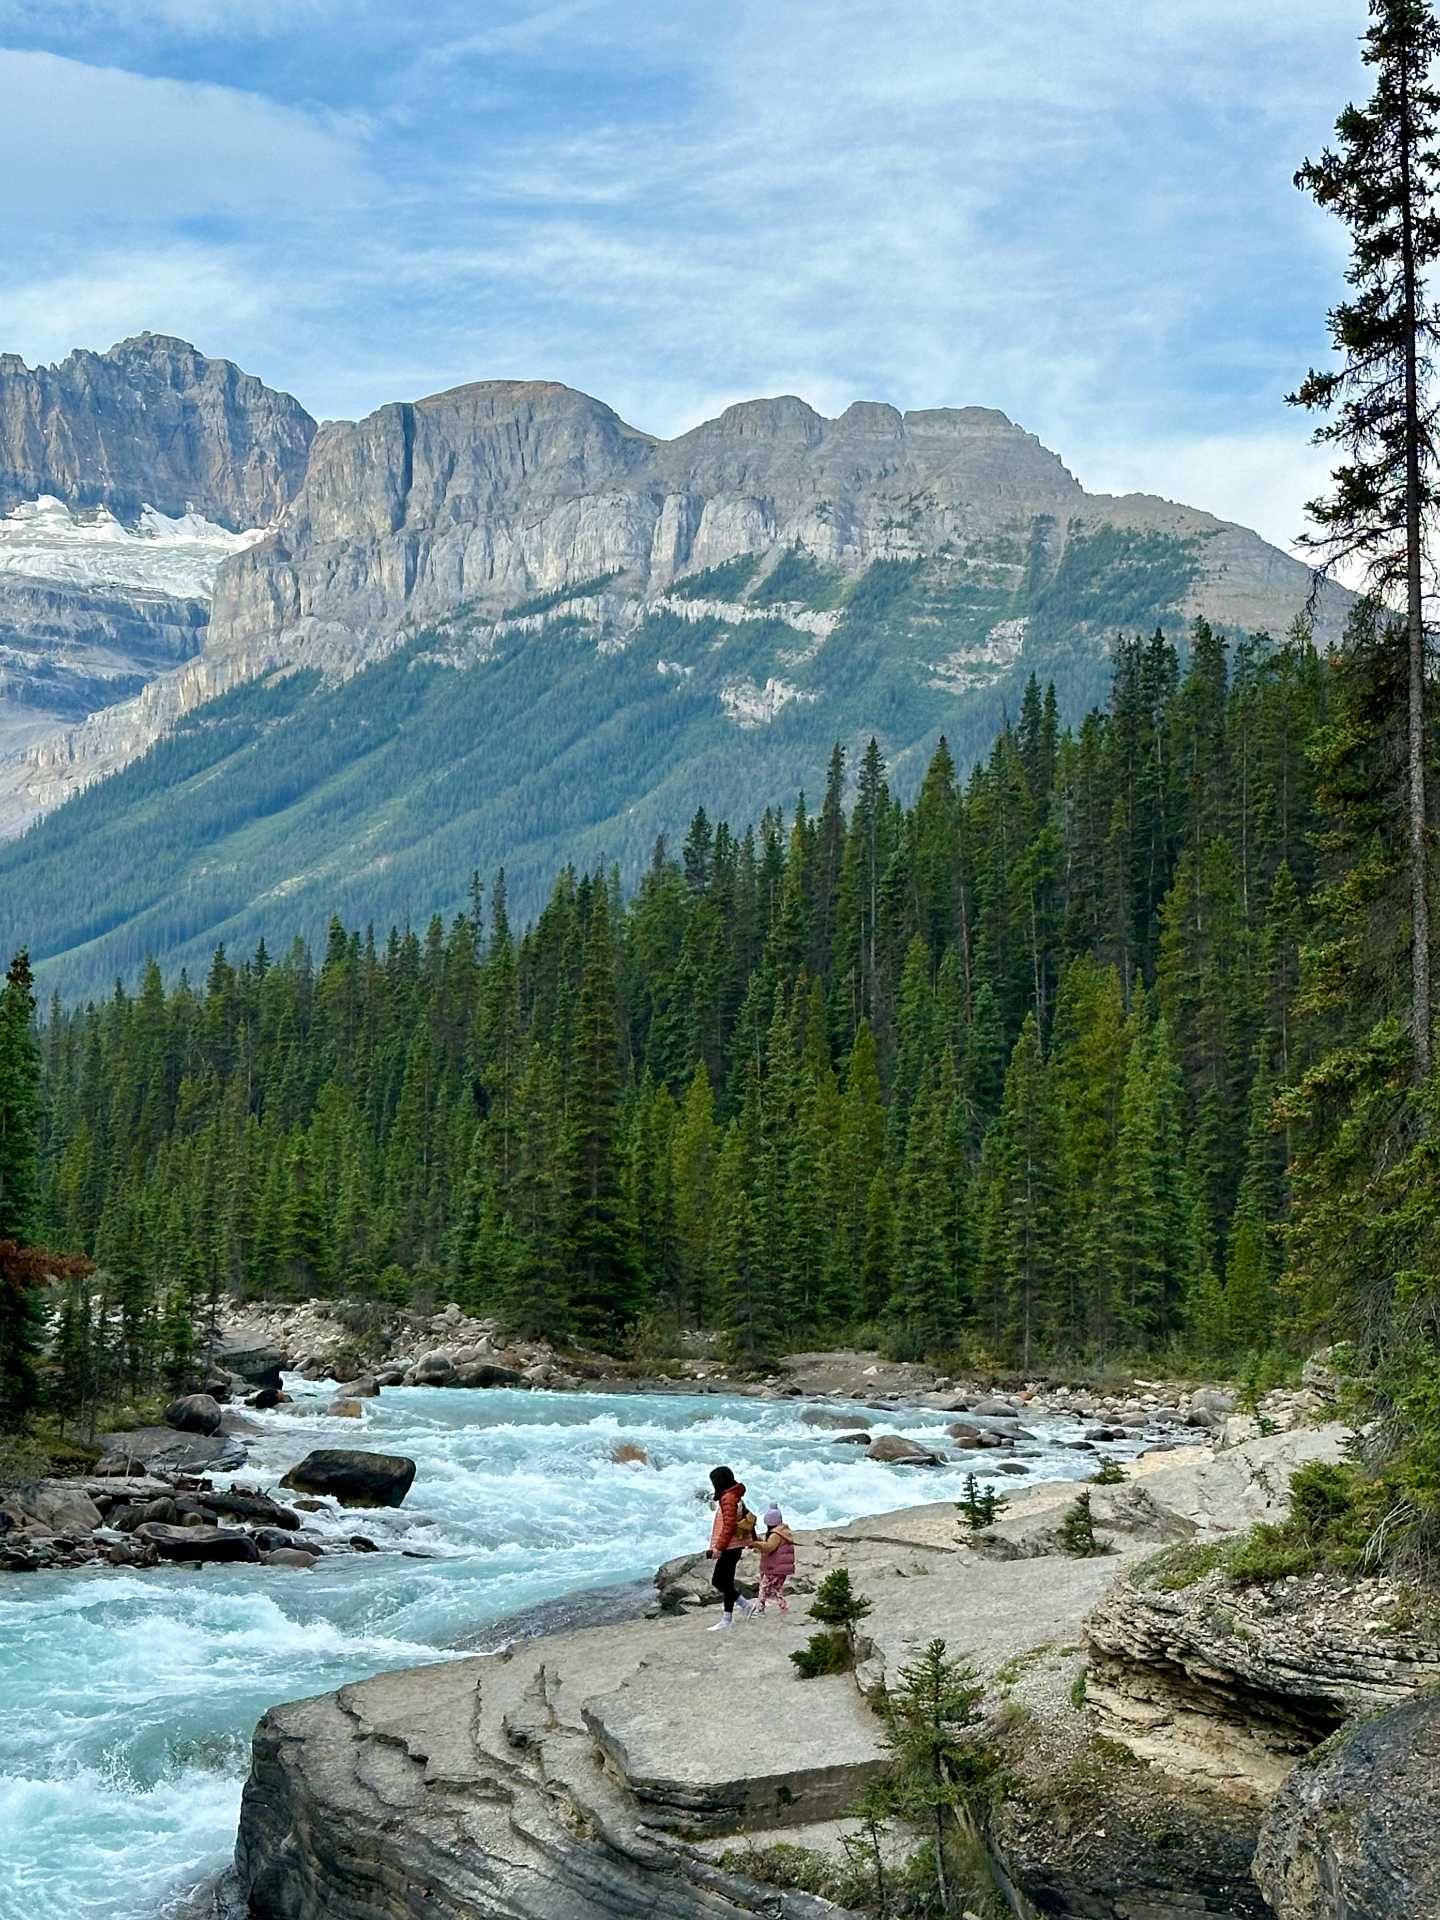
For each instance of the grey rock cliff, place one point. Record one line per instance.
(492, 492)
(1354, 1834)
(97, 598)
(150, 422)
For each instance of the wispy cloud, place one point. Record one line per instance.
(1082, 215)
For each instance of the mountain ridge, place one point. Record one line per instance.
(498, 624)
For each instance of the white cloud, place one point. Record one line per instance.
(1261, 477)
(188, 19)
(80, 141)
(200, 293)
(1080, 214)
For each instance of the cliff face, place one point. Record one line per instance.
(151, 422)
(487, 495)
(125, 479)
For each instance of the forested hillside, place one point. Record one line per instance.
(558, 737)
(994, 1074)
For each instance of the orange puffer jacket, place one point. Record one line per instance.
(727, 1507)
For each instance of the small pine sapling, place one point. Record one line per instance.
(937, 1761)
(1109, 1473)
(981, 1506)
(1078, 1537)
(839, 1609)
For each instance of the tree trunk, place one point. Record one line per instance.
(1415, 619)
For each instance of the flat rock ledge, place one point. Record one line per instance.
(604, 1772)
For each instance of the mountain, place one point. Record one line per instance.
(125, 479)
(501, 625)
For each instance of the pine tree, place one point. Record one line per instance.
(1384, 183)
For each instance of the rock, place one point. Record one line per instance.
(362, 1543)
(482, 1374)
(967, 1435)
(835, 1422)
(195, 1413)
(1130, 1513)
(365, 1388)
(1354, 1833)
(1230, 1490)
(1320, 1376)
(897, 1451)
(627, 1453)
(255, 1360)
(161, 1449)
(854, 1439)
(289, 1557)
(434, 1370)
(993, 1406)
(390, 1377)
(242, 1505)
(471, 1787)
(1228, 1684)
(198, 1542)
(344, 1409)
(1010, 1466)
(271, 1539)
(267, 1397)
(354, 1478)
(57, 1509)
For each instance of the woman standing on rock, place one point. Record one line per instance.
(726, 1544)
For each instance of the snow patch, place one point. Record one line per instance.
(44, 539)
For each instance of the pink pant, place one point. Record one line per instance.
(772, 1587)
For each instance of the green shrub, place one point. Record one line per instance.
(823, 1653)
(23, 1462)
(1109, 1473)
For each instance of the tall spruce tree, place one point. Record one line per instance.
(1383, 181)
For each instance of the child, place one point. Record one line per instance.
(777, 1560)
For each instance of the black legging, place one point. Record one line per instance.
(723, 1578)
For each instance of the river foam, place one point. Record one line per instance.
(132, 1696)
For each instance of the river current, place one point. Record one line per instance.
(127, 1699)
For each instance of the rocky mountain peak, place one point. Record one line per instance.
(150, 422)
(873, 417)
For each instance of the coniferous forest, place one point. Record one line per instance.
(1001, 1075)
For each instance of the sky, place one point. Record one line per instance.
(1079, 211)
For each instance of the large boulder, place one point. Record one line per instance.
(194, 1413)
(835, 1422)
(1229, 1684)
(897, 1451)
(433, 1370)
(198, 1543)
(483, 1373)
(354, 1478)
(1354, 1833)
(252, 1358)
(51, 1508)
(162, 1450)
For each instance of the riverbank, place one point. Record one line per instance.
(148, 1482)
(120, 1784)
(654, 1766)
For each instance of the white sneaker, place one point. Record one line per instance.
(744, 1608)
(720, 1625)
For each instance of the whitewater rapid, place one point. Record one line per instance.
(130, 1698)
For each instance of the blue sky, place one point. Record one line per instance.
(1080, 211)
